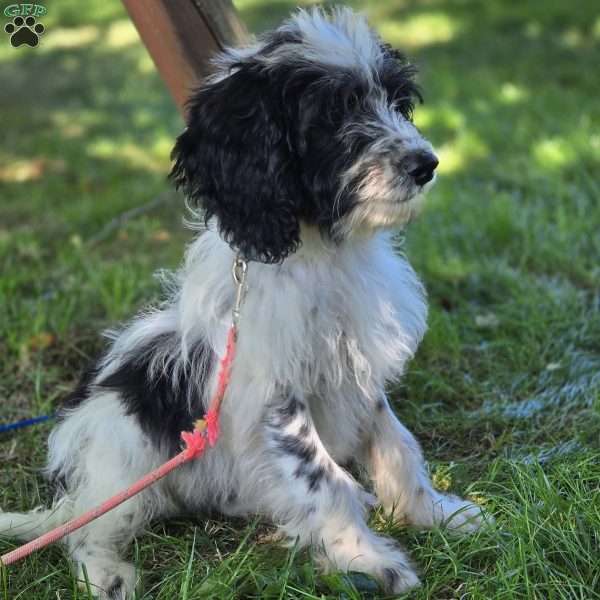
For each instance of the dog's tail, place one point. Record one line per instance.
(30, 525)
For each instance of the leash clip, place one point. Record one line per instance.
(239, 271)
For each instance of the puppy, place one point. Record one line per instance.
(301, 154)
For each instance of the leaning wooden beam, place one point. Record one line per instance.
(181, 37)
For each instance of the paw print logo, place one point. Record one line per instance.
(24, 31)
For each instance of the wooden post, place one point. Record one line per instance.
(181, 37)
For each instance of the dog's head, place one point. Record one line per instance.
(311, 125)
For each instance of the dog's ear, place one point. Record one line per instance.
(234, 160)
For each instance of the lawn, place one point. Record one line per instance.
(504, 393)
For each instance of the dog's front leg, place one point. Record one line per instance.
(396, 466)
(317, 502)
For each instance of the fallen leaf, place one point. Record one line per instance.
(41, 341)
(162, 235)
(442, 480)
(30, 170)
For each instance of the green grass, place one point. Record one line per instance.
(505, 391)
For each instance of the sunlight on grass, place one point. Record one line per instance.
(69, 126)
(145, 65)
(456, 155)
(450, 268)
(71, 13)
(120, 34)
(32, 169)
(70, 38)
(511, 93)
(553, 153)
(442, 114)
(133, 155)
(420, 30)
(253, 4)
(596, 29)
(533, 30)
(572, 37)
(162, 145)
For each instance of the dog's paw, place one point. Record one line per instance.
(461, 516)
(399, 578)
(108, 580)
(389, 565)
(374, 555)
(457, 515)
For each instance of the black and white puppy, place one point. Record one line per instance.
(302, 155)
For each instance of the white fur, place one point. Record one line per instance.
(328, 326)
(320, 336)
(343, 39)
(340, 39)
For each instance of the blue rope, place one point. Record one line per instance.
(24, 423)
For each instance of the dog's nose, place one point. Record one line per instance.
(425, 164)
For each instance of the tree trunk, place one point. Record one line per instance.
(182, 36)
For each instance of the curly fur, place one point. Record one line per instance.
(301, 152)
(263, 150)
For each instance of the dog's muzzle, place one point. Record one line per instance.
(423, 167)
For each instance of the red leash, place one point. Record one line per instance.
(206, 432)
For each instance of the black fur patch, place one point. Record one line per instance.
(115, 591)
(263, 151)
(289, 411)
(315, 477)
(398, 79)
(313, 474)
(391, 579)
(82, 389)
(304, 430)
(80, 394)
(289, 444)
(166, 402)
(297, 445)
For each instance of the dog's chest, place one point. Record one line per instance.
(325, 328)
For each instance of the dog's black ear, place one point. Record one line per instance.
(234, 160)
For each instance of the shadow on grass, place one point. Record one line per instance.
(90, 130)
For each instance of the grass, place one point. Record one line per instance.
(505, 391)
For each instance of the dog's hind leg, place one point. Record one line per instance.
(96, 550)
(30, 525)
(396, 466)
(98, 451)
(317, 502)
